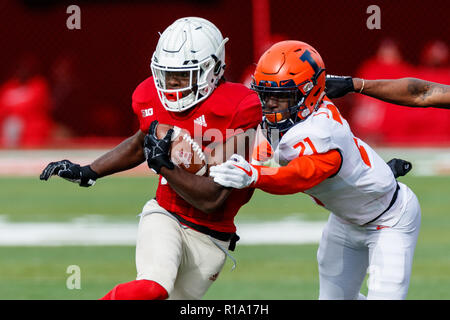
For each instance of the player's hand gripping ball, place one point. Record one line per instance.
(185, 152)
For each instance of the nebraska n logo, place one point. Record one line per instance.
(201, 121)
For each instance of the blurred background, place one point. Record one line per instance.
(62, 87)
(67, 94)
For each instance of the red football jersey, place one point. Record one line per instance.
(230, 106)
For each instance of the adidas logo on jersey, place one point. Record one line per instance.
(201, 121)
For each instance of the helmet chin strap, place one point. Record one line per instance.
(322, 95)
(315, 107)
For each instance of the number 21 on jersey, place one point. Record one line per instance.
(301, 145)
(337, 117)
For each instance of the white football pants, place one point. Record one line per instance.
(183, 261)
(347, 252)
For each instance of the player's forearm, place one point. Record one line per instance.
(299, 175)
(201, 192)
(429, 94)
(126, 155)
(392, 91)
(406, 91)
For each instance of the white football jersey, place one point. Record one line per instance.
(364, 185)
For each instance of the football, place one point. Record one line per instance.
(185, 152)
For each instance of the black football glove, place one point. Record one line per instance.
(338, 86)
(157, 150)
(399, 167)
(72, 172)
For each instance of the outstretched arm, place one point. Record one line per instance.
(406, 91)
(410, 92)
(126, 155)
(299, 175)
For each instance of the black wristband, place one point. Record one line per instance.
(88, 176)
(338, 86)
(157, 163)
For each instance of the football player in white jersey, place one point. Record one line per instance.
(374, 221)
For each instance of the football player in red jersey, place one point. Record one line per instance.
(409, 92)
(185, 232)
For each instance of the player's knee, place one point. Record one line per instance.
(151, 290)
(137, 290)
(394, 287)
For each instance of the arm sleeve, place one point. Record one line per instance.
(142, 103)
(300, 174)
(137, 109)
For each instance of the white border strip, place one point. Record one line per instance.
(110, 234)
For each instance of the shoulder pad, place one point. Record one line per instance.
(227, 97)
(145, 91)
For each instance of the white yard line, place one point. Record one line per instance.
(287, 231)
(280, 232)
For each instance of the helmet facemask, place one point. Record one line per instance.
(181, 88)
(290, 105)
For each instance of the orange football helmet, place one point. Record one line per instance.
(292, 72)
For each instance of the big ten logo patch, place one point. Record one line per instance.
(147, 112)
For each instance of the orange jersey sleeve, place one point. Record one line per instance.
(262, 152)
(300, 174)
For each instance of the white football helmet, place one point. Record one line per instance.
(193, 49)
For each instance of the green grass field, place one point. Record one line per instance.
(263, 271)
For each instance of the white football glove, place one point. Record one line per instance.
(235, 173)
